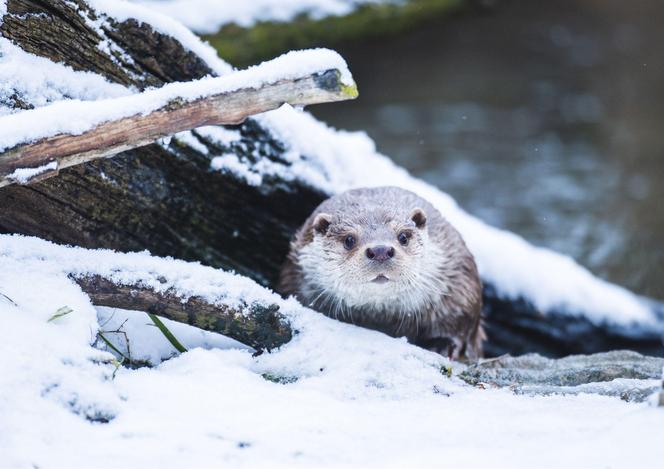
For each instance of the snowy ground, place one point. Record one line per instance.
(350, 397)
(353, 397)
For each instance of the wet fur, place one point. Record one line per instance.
(434, 296)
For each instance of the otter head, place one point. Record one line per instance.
(367, 258)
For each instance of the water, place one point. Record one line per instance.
(544, 118)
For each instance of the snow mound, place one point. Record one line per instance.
(336, 395)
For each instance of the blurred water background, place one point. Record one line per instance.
(544, 118)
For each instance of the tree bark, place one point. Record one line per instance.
(261, 327)
(167, 200)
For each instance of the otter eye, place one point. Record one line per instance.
(403, 238)
(349, 242)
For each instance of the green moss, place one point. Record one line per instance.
(243, 46)
(349, 90)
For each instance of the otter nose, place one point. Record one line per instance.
(380, 253)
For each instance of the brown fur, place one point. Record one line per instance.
(434, 295)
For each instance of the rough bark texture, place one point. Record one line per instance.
(261, 327)
(166, 199)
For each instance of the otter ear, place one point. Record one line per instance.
(419, 217)
(321, 223)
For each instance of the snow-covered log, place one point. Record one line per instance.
(210, 299)
(72, 133)
(261, 327)
(231, 197)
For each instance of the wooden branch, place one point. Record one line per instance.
(261, 327)
(52, 154)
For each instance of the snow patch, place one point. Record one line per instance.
(189, 139)
(219, 135)
(122, 11)
(133, 333)
(229, 162)
(24, 175)
(38, 81)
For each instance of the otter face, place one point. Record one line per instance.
(373, 259)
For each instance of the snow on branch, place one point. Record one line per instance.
(38, 143)
(259, 326)
(186, 292)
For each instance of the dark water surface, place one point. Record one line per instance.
(544, 118)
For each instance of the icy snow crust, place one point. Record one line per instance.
(75, 116)
(208, 16)
(354, 397)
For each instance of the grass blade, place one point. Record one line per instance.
(164, 330)
(8, 299)
(65, 310)
(112, 347)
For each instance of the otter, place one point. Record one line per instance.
(386, 259)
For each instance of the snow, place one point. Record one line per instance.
(352, 397)
(189, 139)
(347, 396)
(75, 116)
(229, 162)
(39, 81)
(208, 16)
(134, 334)
(219, 135)
(122, 10)
(23, 175)
(187, 279)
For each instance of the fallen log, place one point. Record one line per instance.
(259, 326)
(175, 113)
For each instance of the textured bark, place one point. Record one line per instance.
(261, 327)
(167, 200)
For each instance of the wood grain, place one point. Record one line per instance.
(113, 137)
